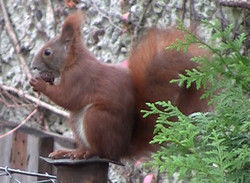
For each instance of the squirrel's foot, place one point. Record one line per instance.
(69, 154)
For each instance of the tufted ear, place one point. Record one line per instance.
(72, 26)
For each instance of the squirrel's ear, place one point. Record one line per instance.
(72, 26)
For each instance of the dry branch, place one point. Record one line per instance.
(235, 3)
(139, 25)
(105, 15)
(66, 142)
(18, 126)
(45, 105)
(13, 37)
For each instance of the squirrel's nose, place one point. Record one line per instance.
(37, 65)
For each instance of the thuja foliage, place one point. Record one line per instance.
(212, 146)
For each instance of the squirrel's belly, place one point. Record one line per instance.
(79, 125)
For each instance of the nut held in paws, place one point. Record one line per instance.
(47, 76)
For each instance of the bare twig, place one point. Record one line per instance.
(233, 3)
(21, 94)
(144, 12)
(183, 10)
(14, 39)
(141, 20)
(63, 140)
(104, 15)
(21, 124)
(15, 102)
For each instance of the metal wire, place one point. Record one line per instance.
(9, 171)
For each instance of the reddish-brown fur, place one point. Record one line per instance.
(71, 3)
(105, 100)
(152, 68)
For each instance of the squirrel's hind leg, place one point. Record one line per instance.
(69, 154)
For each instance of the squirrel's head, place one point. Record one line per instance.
(59, 52)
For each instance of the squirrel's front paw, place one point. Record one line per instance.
(38, 84)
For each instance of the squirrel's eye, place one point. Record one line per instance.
(47, 52)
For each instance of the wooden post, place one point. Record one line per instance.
(46, 145)
(92, 170)
(19, 151)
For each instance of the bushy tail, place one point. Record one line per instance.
(153, 67)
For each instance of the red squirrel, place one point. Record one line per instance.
(105, 100)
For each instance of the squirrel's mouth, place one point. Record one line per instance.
(47, 76)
